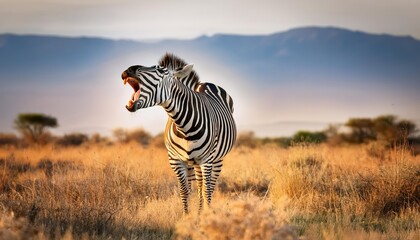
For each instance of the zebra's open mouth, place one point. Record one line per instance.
(136, 94)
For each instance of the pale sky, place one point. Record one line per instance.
(134, 19)
(148, 20)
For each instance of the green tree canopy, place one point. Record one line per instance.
(33, 125)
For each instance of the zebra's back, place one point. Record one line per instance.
(212, 90)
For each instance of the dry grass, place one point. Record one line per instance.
(337, 191)
(244, 218)
(98, 191)
(127, 191)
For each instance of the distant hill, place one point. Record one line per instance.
(304, 74)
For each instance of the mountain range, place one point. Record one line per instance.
(309, 76)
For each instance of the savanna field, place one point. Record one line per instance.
(124, 190)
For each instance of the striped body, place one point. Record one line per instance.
(200, 130)
(200, 125)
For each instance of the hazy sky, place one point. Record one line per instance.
(136, 19)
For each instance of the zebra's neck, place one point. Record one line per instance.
(186, 109)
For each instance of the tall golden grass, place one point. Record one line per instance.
(128, 191)
(336, 192)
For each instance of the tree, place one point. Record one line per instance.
(386, 128)
(362, 130)
(33, 125)
(406, 128)
(389, 129)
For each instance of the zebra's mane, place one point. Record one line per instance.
(172, 63)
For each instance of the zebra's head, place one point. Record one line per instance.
(151, 85)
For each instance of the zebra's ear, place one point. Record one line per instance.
(185, 71)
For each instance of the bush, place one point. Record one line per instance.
(140, 136)
(321, 186)
(12, 227)
(73, 139)
(309, 137)
(247, 139)
(377, 149)
(242, 219)
(158, 141)
(278, 141)
(8, 139)
(385, 128)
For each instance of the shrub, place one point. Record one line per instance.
(247, 139)
(97, 138)
(12, 228)
(8, 139)
(140, 136)
(158, 141)
(277, 141)
(73, 139)
(241, 219)
(377, 149)
(11, 169)
(383, 128)
(309, 137)
(356, 192)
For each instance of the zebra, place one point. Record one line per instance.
(200, 130)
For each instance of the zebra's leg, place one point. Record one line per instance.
(206, 170)
(217, 168)
(181, 171)
(190, 176)
(199, 178)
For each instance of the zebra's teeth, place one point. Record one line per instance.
(136, 95)
(130, 103)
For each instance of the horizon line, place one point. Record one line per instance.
(156, 40)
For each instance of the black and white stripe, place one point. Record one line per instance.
(200, 130)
